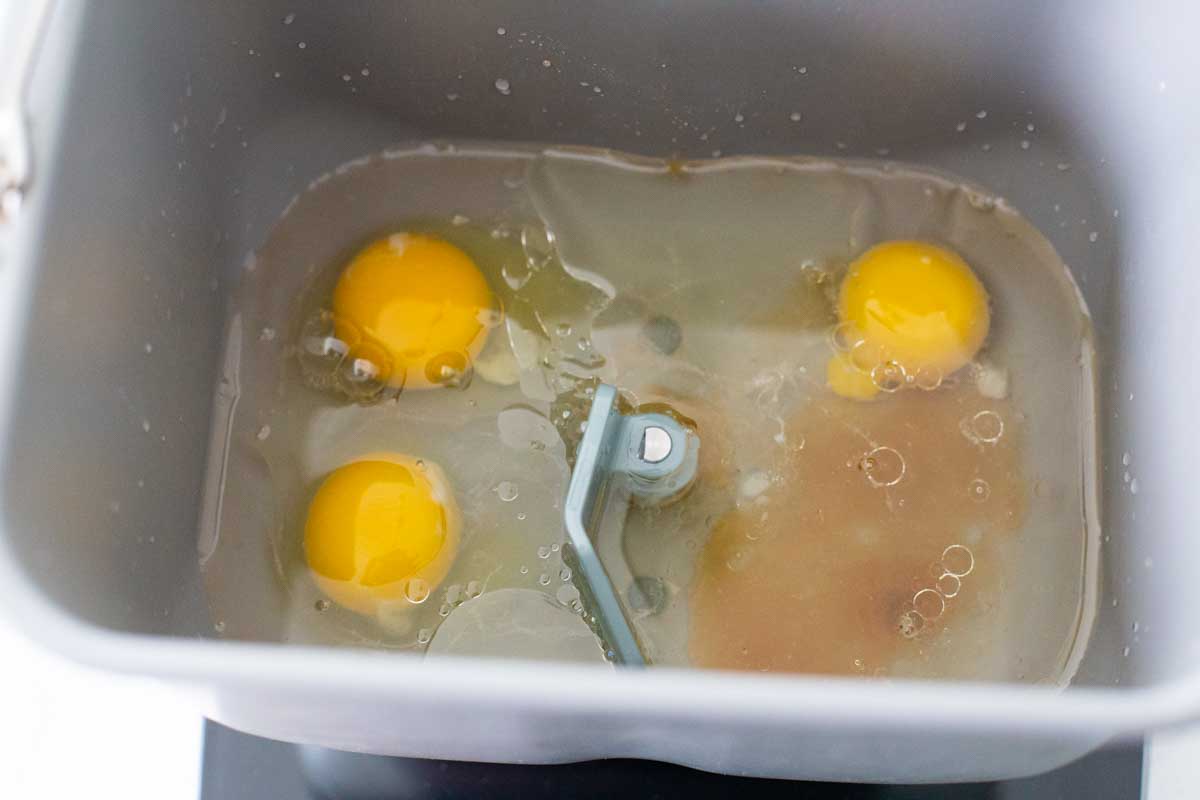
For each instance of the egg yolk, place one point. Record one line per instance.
(913, 309)
(381, 531)
(415, 307)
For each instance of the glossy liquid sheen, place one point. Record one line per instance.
(946, 531)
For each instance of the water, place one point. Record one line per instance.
(899, 537)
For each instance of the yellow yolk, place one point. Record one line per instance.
(910, 308)
(415, 303)
(381, 531)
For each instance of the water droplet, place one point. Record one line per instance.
(882, 466)
(958, 561)
(416, 590)
(321, 606)
(979, 490)
(502, 86)
(506, 491)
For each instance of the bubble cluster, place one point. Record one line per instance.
(929, 603)
(887, 373)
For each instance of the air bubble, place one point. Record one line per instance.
(219, 626)
(986, 427)
(843, 337)
(564, 574)
(473, 590)
(506, 491)
(321, 606)
(794, 116)
(543, 551)
(263, 433)
(424, 635)
(883, 467)
(889, 376)
(979, 490)
(544, 579)
(521, 516)
(929, 604)
(416, 590)
(958, 561)
(948, 585)
(502, 86)
(927, 378)
(563, 329)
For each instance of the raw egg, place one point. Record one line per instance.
(381, 531)
(907, 311)
(415, 308)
